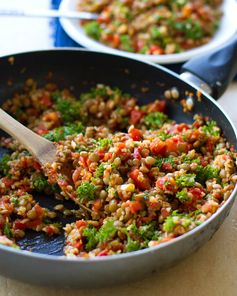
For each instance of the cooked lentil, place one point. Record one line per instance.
(153, 27)
(146, 178)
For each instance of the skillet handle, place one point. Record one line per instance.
(216, 69)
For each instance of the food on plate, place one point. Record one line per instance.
(154, 27)
(145, 178)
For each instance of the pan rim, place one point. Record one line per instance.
(145, 251)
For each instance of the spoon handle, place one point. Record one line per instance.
(49, 13)
(39, 147)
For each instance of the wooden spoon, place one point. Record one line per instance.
(42, 149)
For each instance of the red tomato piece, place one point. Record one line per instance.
(158, 147)
(141, 181)
(135, 116)
(135, 206)
(135, 134)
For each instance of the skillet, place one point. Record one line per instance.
(41, 261)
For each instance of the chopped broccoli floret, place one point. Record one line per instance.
(155, 119)
(86, 191)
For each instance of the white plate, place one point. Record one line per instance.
(227, 29)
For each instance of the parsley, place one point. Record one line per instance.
(15, 201)
(186, 180)
(132, 245)
(4, 164)
(206, 173)
(104, 143)
(40, 183)
(149, 231)
(126, 43)
(100, 170)
(176, 219)
(69, 110)
(169, 224)
(164, 135)
(211, 129)
(93, 29)
(160, 161)
(60, 133)
(155, 119)
(7, 230)
(183, 196)
(90, 234)
(106, 231)
(86, 191)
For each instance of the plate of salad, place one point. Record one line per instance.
(160, 31)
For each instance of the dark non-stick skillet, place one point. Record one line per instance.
(42, 260)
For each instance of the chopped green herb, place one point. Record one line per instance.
(100, 170)
(132, 245)
(164, 136)
(15, 201)
(90, 233)
(183, 196)
(93, 29)
(7, 230)
(160, 161)
(186, 180)
(206, 173)
(106, 231)
(86, 191)
(126, 43)
(211, 129)
(40, 183)
(69, 110)
(4, 166)
(60, 133)
(155, 119)
(104, 143)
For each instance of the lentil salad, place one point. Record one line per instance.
(146, 178)
(154, 27)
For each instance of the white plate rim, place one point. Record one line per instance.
(226, 31)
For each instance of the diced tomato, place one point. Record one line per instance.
(158, 147)
(33, 223)
(137, 153)
(157, 106)
(7, 182)
(46, 100)
(82, 161)
(62, 183)
(19, 224)
(166, 184)
(135, 134)
(210, 145)
(97, 205)
(77, 245)
(141, 181)
(155, 49)
(135, 206)
(103, 253)
(204, 162)
(36, 165)
(178, 128)
(164, 212)
(197, 193)
(39, 211)
(108, 156)
(135, 116)
(76, 174)
(176, 145)
(41, 130)
(166, 166)
(50, 230)
(80, 223)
